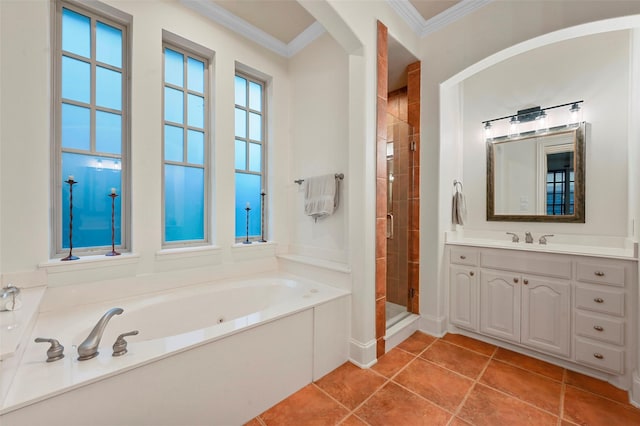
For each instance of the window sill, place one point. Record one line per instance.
(256, 245)
(88, 262)
(185, 252)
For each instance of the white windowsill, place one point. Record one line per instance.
(184, 252)
(88, 262)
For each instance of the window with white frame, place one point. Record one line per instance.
(91, 131)
(185, 135)
(250, 152)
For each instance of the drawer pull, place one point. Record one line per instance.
(599, 274)
(599, 356)
(525, 282)
(515, 280)
(598, 300)
(471, 273)
(598, 328)
(463, 257)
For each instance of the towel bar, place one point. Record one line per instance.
(338, 176)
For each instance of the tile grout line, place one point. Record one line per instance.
(473, 386)
(562, 393)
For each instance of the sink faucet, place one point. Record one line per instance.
(528, 238)
(89, 348)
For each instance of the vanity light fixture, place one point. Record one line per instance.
(575, 111)
(532, 120)
(487, 130)
(513, 126)
(541, 121)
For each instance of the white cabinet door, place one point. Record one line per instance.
(545, 315)
(464, 297)
(500, 305)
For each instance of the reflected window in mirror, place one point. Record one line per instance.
(560, 184)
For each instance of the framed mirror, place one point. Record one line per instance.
(537, 177)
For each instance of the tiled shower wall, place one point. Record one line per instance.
(413, 115)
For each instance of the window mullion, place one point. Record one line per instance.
(93, 95)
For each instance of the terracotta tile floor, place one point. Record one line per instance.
(453, 381)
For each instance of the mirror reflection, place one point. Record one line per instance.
(537, 177)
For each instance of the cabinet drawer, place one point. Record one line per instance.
(605, 329)
(600, 356)
(601, 274)
(524, 262)
(607, 301)
(464, 256)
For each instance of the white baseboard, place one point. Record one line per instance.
(362, 354)
(434, 326)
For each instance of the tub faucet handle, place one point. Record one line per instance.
(543, 239)
(55, 352)
(514, 237)
(120, 346)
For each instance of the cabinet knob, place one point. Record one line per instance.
(598, 328)
(525, 281)
(599, 274)
(515, 280)
(599, 356)
(463, 257)
(598, 300)
(472, 273)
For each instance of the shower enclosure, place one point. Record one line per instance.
(400, 158)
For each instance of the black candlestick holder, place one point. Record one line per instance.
(113, 251)
(71, 182)
(262, 194)
(248, 209)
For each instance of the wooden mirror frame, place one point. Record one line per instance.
(578, 215)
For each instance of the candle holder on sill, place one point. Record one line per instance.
(262, 194)
(70, 256)
(113, 251)
(247, 209)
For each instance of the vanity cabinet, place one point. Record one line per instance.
(526, 309)
(463, 293)
(571, 306)
(600, 315)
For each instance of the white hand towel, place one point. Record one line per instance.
(320, 196)
(458, 208)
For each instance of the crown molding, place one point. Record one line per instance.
(409, 13)
(227, 19)
(454, 13)
(423, 27)
(305, 38)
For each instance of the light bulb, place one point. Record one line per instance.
(488, 131)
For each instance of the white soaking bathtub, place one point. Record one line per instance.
(215, 354)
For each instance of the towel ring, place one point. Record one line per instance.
(456, 183)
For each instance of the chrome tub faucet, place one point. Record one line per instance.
(89, 348)
(528, 238)
(514, 237)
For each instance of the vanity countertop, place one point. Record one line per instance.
(626, 252)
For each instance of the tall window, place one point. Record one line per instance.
(185, 146)
(90, 121)
(249, 154)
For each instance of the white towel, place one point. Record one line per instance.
(320, 196)
(458, 208)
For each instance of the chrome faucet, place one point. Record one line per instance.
(514, 237)
(10, 298)
(528, 238)
(543, 239)
(89, 348)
